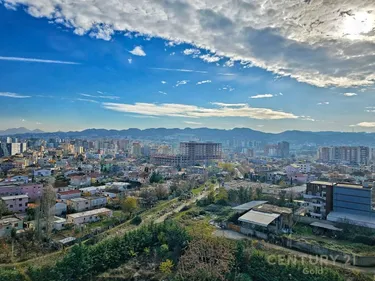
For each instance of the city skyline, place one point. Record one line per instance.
(65, 74)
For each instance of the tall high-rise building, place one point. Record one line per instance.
(348, 154)
(283, 149)
(200, 151)
(136, 149)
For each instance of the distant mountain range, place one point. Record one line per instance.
(206, 134)
(18, 131)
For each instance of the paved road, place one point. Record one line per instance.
(230, 234)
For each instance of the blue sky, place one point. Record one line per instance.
(62, 74)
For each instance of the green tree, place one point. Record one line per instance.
(129, 205)
(222, 196)
(156, 177)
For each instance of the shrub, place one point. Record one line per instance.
(136, 220)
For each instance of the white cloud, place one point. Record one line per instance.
(209, 58)
(101, 96)
(262, 96)
(280, 94)
(229, 63)
(38, 123)
(138, 51)
(88, 100)
(229, 104)
(192, 123)
(36, 60)
(178, 70)
(323, 103)
(23, 120)
(182, 82)
(227, 88)
(324, 43)
(260, 126)
(189, 52)
(192, 111)
(365, 124)
(163, 93)
(141, 116)
(349, 94)
(13, 95)
(204, 82)
(130, 61)
(164, 82)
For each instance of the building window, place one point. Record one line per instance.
(20, 205)
(25, 204)
(16, 224)
(10, 206)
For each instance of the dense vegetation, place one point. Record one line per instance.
(181, 256)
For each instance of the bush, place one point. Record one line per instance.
(136, 220)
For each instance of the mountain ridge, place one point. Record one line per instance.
(246, 134)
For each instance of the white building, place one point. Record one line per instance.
(42, 173)
(79, 204)
(89, 216)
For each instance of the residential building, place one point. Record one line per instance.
(16, 203)
(201, 151)
(88, 216)
(346, 154)
(283, 149)
(136, 149)
(9, 223)
(79, 204)
(32, 190)
(42, 173)
(70, 194)
(319, 196)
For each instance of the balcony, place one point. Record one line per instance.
(316, 215)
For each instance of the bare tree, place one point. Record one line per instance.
(206, 259)
(3, 209)
(44, 213)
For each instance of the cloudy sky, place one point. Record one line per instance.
(268, 65)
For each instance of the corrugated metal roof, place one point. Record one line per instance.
(249, 205)
(258, 218)
(325, 226)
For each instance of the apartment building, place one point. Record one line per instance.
(346, 154)
(17, 203)
(319, 196)
(32, 190)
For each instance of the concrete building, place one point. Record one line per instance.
(70, 194)
(319, 196)
(34, 191)
(9, 223)
(79, 204)
(43, 173)
(89, 216)
(17, 203)
(345, 154)
(136, 149)
(201, 151)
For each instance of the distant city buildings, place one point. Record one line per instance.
(277, 150)
(191, 153)
(346, 154)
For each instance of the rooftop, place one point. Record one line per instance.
(8, 220)
(322, 182)
(268, 208)
(248, 206)
(78, 199)
(258, 218)
(14, 197)
(349, 185)
(68, 192)
(90, 213)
